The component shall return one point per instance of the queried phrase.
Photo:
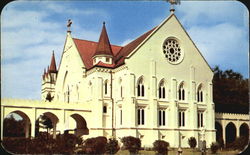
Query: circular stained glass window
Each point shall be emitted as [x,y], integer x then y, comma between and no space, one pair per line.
[172,51]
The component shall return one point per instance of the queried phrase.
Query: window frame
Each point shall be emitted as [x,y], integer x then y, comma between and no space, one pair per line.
[140,116]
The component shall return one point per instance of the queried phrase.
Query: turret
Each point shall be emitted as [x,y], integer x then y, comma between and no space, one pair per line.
[103,51]
[49,80]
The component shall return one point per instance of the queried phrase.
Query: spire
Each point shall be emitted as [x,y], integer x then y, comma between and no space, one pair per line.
[103,46]
[52,67]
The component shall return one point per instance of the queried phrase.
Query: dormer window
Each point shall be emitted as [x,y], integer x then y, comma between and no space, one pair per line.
[107,59]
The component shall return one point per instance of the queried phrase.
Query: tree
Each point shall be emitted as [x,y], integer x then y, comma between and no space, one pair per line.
[13,127]
[160,146]
[46,123]
[112,146]
[192,142]
[230,91]
[132,144]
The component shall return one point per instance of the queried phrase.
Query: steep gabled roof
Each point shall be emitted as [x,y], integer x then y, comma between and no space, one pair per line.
[88,49]
[103,45]
[127,49]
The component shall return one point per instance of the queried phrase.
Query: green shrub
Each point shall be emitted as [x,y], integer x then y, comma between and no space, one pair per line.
[63,144]
[95,145]
[192,142]
[220,142]
[112,146]
[214,147]
[160,146]
[132,144]
[239,143]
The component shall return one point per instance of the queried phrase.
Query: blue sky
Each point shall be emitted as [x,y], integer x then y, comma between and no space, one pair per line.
[30,30]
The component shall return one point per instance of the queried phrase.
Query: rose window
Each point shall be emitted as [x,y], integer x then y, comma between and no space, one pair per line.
[172,51]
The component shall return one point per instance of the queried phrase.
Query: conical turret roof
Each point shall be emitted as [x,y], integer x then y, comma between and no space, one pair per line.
[52,67]
[103,46]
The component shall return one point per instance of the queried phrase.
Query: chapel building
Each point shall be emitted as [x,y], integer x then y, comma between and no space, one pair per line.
[158,86]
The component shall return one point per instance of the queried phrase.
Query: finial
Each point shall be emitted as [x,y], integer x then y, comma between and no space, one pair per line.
[69,25]
[103,22]
[172,3]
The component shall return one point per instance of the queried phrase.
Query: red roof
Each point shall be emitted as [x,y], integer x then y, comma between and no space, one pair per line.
[103,46]
[87,49]
[52,67]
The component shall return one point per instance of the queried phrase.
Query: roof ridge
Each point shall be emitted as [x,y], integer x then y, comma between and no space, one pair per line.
[96,42]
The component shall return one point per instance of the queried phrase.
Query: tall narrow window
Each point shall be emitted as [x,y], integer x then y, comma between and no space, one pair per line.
[140,88]
[121,91]
[106,87]
[140,116]
[200,119]
[104,109]
[121,117]
[181,93]
[161,119]
[181,118]
[161,90]
[200,94]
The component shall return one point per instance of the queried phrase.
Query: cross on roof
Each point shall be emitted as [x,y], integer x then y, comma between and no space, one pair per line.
[69,24]
[172,3]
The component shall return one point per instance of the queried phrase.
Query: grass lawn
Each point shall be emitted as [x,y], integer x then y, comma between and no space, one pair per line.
[174,152]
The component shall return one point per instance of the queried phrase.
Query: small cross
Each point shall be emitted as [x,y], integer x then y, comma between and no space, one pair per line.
[172,3]
[69,24]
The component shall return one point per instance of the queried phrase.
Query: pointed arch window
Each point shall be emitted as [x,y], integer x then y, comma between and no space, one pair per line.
[106,87]
[121,88]
[181,93]
[200,94]
[162,90]
[140,88]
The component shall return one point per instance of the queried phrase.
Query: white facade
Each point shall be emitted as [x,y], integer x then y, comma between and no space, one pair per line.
[151,95]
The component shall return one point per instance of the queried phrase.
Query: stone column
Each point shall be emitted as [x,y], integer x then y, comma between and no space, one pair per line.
[223,132]
[153,97]
[33,123]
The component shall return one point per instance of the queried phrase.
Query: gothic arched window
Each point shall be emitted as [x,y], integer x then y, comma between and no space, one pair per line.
[140,88]
[181,92]
[200,94]
[161,90]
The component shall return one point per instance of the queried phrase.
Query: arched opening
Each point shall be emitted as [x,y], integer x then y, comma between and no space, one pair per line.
[230,133]
[161,90]
[244,130]
[17,124]
[181,92]
[140,87]
[200,93]
[219,135]
[79,126]
[46,123]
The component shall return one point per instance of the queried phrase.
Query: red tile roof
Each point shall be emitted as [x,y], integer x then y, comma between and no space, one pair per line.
[52,67]
[103,46]
[87,49]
